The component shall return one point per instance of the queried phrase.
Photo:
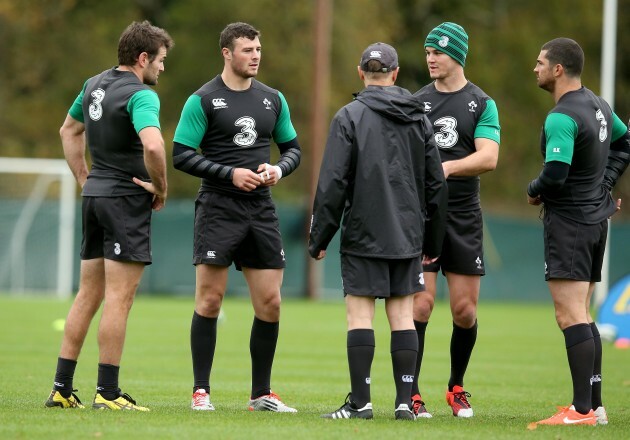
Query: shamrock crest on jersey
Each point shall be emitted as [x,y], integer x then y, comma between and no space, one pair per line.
[603,132]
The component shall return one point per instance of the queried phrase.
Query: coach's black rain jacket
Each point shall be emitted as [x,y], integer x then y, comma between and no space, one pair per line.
[382,173]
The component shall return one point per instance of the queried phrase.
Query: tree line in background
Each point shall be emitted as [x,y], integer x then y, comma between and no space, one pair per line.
[50,47]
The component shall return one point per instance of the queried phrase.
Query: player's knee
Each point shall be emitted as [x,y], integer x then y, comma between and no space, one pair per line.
[566,319]
[464,314]
[423,304]
[208,303]
[271,304]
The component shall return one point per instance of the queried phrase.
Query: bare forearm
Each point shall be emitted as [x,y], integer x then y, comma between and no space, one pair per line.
[483,160]
[154,160]
[74,152]
[155,163]
[468,166]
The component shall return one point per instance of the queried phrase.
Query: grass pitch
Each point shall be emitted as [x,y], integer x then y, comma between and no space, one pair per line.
[518,373]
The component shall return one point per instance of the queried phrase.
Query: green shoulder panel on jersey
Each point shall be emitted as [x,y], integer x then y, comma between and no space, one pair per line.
[76,110]
[144,109]
[560,133]
[488,126]
[192,124]
[618,128]
[284,131]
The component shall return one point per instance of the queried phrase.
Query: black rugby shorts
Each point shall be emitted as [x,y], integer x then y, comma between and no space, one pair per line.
[573,251]
[381,278]
[462,249]
[244,231]
[117,228]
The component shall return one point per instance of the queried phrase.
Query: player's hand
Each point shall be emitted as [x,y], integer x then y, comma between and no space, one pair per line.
[159,197]
[618,206]
[245,179]
[428,260]
[534,200]
[321,255]
[158,203]
[268,174]
[446,167]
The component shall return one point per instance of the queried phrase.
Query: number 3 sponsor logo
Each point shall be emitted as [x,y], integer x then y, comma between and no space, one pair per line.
[248,135]
[447,136]
[96,109]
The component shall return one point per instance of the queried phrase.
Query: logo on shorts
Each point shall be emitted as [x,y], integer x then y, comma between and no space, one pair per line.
[546,268]
[368,380]
[117,248]
[421,278]
[408,378]
[479,263]
[211,254]
[282,253]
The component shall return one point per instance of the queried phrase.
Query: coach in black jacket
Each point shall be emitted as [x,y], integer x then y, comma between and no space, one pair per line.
[381,172]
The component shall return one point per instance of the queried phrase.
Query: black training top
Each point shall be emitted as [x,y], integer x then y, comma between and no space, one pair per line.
[234,128]
[459,118]
[578,131]
[114,106]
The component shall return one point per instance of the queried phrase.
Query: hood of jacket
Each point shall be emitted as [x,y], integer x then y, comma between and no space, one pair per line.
[392,102]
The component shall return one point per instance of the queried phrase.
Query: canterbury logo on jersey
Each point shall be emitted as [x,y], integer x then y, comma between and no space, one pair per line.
[219,103]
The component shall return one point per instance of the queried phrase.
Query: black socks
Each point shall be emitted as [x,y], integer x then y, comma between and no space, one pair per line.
[404,350]
[581,354]
[421,329]
[262,348]
[596,378]
[64,376]
[462,344]
[203,340]
[360,356]
[107,383]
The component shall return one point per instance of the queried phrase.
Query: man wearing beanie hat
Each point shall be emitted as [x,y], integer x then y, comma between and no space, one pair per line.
[466,125]
[380,153]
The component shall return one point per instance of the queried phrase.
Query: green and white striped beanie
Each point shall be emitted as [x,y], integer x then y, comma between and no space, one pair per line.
[451,39]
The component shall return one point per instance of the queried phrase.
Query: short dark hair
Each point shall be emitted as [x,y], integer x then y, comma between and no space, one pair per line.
[142,37]
[236,30]
[374,66]
[567,53]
